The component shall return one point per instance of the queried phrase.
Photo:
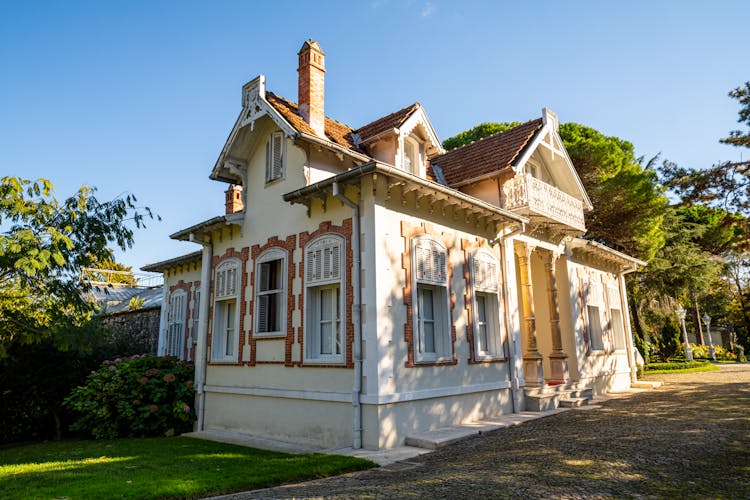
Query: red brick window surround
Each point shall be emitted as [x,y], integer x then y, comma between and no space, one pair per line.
[323,291]
[273,250]
[228,306]
[429,330]
[484,301]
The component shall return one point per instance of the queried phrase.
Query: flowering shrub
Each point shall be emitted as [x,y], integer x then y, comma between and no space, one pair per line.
[704,352]
[135,396]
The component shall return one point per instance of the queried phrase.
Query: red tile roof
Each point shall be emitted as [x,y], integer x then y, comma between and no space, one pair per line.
[485,156]
[394,120]
[336,131]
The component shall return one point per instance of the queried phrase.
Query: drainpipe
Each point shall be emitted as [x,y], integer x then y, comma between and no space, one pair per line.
[356,315]
[515,385]
[201,348]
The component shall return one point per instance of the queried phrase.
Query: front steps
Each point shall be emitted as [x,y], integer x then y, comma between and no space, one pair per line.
[550,397]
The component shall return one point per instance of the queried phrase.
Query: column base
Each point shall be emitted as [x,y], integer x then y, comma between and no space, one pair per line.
[558,363]
[533,370]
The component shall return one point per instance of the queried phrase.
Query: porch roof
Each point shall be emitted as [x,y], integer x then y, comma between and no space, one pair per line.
[207,226]
[601,251]
[408,183]
[158,267]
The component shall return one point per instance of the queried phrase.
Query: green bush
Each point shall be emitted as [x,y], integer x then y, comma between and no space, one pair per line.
[646,348]
[668,341]
[674,366]
[136,396]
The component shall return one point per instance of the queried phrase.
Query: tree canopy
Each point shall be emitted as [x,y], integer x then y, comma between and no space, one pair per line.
[44,243]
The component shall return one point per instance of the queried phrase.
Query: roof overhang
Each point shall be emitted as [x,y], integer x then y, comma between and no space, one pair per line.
[200,231]
[408,183]
[550,130]
[625,262]
[163,265]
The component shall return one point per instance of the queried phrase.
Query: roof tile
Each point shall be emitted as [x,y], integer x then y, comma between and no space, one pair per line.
[485,156]
[336,131]
[394,120]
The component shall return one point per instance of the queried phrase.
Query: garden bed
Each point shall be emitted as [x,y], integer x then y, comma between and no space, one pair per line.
[679,366]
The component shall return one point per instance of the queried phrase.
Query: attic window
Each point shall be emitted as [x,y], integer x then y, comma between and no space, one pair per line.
[275,157]
[412,156]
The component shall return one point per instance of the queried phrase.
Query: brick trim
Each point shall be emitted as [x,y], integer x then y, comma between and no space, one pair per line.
[241,255]
[345,230]
[256,251]
[470,248]
[409,231]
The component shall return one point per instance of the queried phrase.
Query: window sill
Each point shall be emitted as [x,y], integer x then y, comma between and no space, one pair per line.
[223,362]
[270,182]
[488,359]
[324,361]
[269,336]
[437,361]
[598,352]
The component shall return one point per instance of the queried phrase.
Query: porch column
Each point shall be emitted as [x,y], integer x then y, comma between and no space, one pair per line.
[532,359]
[557,358]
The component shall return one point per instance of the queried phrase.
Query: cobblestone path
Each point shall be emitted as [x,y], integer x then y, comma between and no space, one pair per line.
[688,439]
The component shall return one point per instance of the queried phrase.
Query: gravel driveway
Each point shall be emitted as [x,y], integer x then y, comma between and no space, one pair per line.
[688,439]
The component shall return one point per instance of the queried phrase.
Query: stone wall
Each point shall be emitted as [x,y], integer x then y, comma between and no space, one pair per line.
[141,326]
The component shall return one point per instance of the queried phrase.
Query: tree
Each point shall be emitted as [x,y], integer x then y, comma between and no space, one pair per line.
[475,133]
[122,275]
[737,137]
[44,243]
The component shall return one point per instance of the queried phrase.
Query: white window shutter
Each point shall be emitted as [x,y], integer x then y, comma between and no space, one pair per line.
[323,261]
[485,273]
[431,261]
[263,313]
[278,160]
[269,170]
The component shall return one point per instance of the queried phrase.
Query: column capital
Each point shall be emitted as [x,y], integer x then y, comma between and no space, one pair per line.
[523,250]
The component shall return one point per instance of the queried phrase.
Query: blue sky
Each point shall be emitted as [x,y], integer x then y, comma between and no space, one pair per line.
[139,96]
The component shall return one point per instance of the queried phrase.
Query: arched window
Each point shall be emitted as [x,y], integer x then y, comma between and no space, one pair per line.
[487,307]
[324,299]
[175,340]
[270,293]
[226,318]
[430,300]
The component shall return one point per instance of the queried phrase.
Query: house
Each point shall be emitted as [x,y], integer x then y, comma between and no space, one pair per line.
[365,284]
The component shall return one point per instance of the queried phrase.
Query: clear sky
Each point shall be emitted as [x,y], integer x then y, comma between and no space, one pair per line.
[139,97]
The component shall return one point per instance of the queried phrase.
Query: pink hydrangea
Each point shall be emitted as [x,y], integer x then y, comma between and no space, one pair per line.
[154,408]
[151,372]
[112,368]
[186,409]
[169,377]
[144,380]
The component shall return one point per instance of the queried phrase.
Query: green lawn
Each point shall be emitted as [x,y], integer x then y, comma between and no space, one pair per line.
[175,467]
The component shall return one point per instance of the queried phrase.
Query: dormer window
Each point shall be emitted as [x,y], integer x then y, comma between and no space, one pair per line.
[412,157]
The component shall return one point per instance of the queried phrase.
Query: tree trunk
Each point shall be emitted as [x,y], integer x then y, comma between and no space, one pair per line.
[634,312]
[743,305]
[697,322]
[58,424]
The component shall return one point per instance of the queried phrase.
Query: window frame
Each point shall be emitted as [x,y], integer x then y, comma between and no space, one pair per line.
[418,157]
[494,321]
[181,321]
[316,285]
[441,284]
[271,174]
[222,297]
[613,297]
[593,299]
[270,255]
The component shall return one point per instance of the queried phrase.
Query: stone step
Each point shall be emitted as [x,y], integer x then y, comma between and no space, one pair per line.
[571,402]
[542,402]
[643,384]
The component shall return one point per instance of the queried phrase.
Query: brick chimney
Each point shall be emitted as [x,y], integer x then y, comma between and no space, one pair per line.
[312,71]
[234,202]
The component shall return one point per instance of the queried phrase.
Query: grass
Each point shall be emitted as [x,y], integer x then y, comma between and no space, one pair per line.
[176,467]
[679,367]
